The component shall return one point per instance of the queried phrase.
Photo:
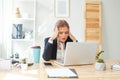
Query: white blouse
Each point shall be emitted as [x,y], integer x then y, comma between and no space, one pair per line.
[60,50]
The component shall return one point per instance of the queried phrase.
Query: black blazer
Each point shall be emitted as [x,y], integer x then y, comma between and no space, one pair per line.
[50,50]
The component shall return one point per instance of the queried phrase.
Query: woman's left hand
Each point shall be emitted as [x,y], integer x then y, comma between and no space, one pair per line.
[72,37]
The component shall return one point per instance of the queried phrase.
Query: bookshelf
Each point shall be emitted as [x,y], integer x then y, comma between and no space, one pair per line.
[24,14]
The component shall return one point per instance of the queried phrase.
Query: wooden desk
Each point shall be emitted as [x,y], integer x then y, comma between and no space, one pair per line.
[17,74]
[85,72]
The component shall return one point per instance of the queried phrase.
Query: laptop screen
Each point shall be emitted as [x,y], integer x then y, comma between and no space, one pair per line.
[77,53]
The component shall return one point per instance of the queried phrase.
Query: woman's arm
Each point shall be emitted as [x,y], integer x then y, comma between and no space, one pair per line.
[49,46]
[47,50]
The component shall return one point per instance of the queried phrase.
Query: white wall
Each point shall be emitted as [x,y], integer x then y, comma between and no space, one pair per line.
[110,23]
[110,28]
[46,19]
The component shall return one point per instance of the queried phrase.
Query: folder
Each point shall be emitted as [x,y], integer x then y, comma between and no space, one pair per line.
[61,73]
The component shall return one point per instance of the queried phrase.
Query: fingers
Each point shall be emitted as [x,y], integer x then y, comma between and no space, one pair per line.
[69,32]
[55,34]
[56,30]
[71,36]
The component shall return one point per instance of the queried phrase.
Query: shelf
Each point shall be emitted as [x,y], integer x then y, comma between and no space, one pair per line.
[22,40]
[25,0]
[24,19]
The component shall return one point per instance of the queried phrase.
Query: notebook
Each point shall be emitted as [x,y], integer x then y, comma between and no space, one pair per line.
[79,53]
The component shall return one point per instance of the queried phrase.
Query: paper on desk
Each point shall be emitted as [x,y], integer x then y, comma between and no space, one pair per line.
[5,64]
[60,72]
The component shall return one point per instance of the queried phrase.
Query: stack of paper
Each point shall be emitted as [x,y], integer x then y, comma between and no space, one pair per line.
[61,72]
[116,67]
[5,64]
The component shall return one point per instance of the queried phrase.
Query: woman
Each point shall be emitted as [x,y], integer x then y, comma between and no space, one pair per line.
[55,45]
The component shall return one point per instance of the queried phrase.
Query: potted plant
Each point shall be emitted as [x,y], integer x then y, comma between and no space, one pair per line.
[24,64]
[100,64]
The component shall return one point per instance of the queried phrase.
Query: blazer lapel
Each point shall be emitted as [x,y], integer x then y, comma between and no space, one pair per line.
[55,47]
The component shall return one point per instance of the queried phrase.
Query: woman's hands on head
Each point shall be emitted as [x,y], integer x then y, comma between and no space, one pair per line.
[61,32]
[55,34]
[71,36]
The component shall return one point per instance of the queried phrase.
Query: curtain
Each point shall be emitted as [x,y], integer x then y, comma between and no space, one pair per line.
[0,27]
[5,28]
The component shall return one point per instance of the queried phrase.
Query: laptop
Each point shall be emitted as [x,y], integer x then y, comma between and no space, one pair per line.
[79,53]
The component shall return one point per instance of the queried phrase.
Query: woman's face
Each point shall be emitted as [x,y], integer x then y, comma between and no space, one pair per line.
[63,33]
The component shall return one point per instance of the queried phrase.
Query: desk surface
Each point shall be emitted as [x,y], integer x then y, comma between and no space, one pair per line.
[32,73]
[85,72]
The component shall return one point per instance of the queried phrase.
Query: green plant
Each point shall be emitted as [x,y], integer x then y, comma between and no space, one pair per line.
[99,58]
[24,60]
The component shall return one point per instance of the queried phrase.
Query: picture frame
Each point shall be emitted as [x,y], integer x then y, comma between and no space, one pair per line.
[62,8]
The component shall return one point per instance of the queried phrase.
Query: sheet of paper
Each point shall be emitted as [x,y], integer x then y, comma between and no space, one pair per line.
[60,72]
[5,64]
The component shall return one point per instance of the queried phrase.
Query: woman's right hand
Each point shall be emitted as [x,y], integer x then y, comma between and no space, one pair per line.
[55,34]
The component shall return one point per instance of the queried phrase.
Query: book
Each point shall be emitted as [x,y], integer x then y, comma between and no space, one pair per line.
[17,31]
[115,67]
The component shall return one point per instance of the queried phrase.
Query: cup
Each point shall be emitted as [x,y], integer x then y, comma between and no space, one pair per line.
[36,53]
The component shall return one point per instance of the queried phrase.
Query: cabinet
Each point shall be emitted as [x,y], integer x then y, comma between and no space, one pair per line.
[23,26]
[93,21]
